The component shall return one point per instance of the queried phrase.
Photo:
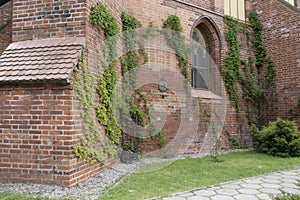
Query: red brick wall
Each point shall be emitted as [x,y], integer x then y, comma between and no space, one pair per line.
[45,19]
[281,33]
[93,37]
[6,28]
[41,123]
[39,126]
[191,14]
[206,4]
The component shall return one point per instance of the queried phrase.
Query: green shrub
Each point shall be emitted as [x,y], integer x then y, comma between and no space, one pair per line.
[279,138]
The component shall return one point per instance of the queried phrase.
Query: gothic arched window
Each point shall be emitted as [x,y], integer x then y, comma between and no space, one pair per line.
[200,61]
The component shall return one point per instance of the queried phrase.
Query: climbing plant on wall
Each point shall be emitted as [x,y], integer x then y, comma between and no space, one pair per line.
[106,23]
[230,70]
[135,103]
[85,85]
[255,75]
[85,92]
[177,41]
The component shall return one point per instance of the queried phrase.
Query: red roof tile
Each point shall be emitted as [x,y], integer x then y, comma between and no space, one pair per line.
[47,59]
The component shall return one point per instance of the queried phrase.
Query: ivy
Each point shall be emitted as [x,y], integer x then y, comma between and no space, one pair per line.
[255,75]
[85,90]
[136,103]
[177,41]
[258,83]
[106,23]
[259,48]
[93,147]
[173,22]
[230,70]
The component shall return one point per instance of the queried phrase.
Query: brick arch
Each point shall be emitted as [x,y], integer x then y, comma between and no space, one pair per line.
[212,34]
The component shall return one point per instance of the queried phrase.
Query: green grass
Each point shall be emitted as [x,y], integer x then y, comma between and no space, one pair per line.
[188,174]
[192,173]
[8,196]
[287,196]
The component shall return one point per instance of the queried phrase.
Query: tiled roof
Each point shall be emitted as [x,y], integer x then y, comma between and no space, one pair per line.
[47,59]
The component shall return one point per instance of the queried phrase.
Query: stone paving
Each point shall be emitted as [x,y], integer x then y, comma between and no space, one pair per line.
[260,187]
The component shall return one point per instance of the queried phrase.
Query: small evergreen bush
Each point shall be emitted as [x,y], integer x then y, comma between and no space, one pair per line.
[279,138]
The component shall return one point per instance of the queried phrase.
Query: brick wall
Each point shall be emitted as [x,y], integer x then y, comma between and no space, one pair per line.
[39,125]
[93,37]
[45,19]
[206,4]
[281,33]
[211,21]
[5,26]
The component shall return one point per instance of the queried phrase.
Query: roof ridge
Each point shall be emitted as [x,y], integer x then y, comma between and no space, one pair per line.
[49,42]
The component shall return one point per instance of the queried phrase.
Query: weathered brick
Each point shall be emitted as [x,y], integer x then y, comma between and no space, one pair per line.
[281,32]
[41,122]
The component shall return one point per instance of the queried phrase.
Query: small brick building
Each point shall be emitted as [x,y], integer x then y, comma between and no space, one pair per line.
[41,44]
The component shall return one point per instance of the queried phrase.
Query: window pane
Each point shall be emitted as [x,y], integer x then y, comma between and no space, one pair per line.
[199,57]
[200,61]
[200,78]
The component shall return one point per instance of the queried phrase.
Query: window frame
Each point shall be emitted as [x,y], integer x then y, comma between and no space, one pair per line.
[195,68]
[292,2]
[235,8]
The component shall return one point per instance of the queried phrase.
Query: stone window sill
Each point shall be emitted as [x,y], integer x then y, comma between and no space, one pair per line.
[204,94]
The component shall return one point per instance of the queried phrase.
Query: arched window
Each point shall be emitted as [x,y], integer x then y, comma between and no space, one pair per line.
[200,61]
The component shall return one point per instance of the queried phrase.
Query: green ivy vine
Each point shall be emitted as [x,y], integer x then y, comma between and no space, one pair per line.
[137,103]
[255,75]
[85,91]
[85,84]
[177,41]
[230,70]
[106,23]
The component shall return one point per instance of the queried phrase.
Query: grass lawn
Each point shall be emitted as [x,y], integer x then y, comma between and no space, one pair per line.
[7,196]
[195,173]
[286,196]
[187,174]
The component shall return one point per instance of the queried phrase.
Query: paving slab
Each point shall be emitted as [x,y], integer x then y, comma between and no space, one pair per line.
[264,197]
[205,193]
[197,198]
[249,186]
